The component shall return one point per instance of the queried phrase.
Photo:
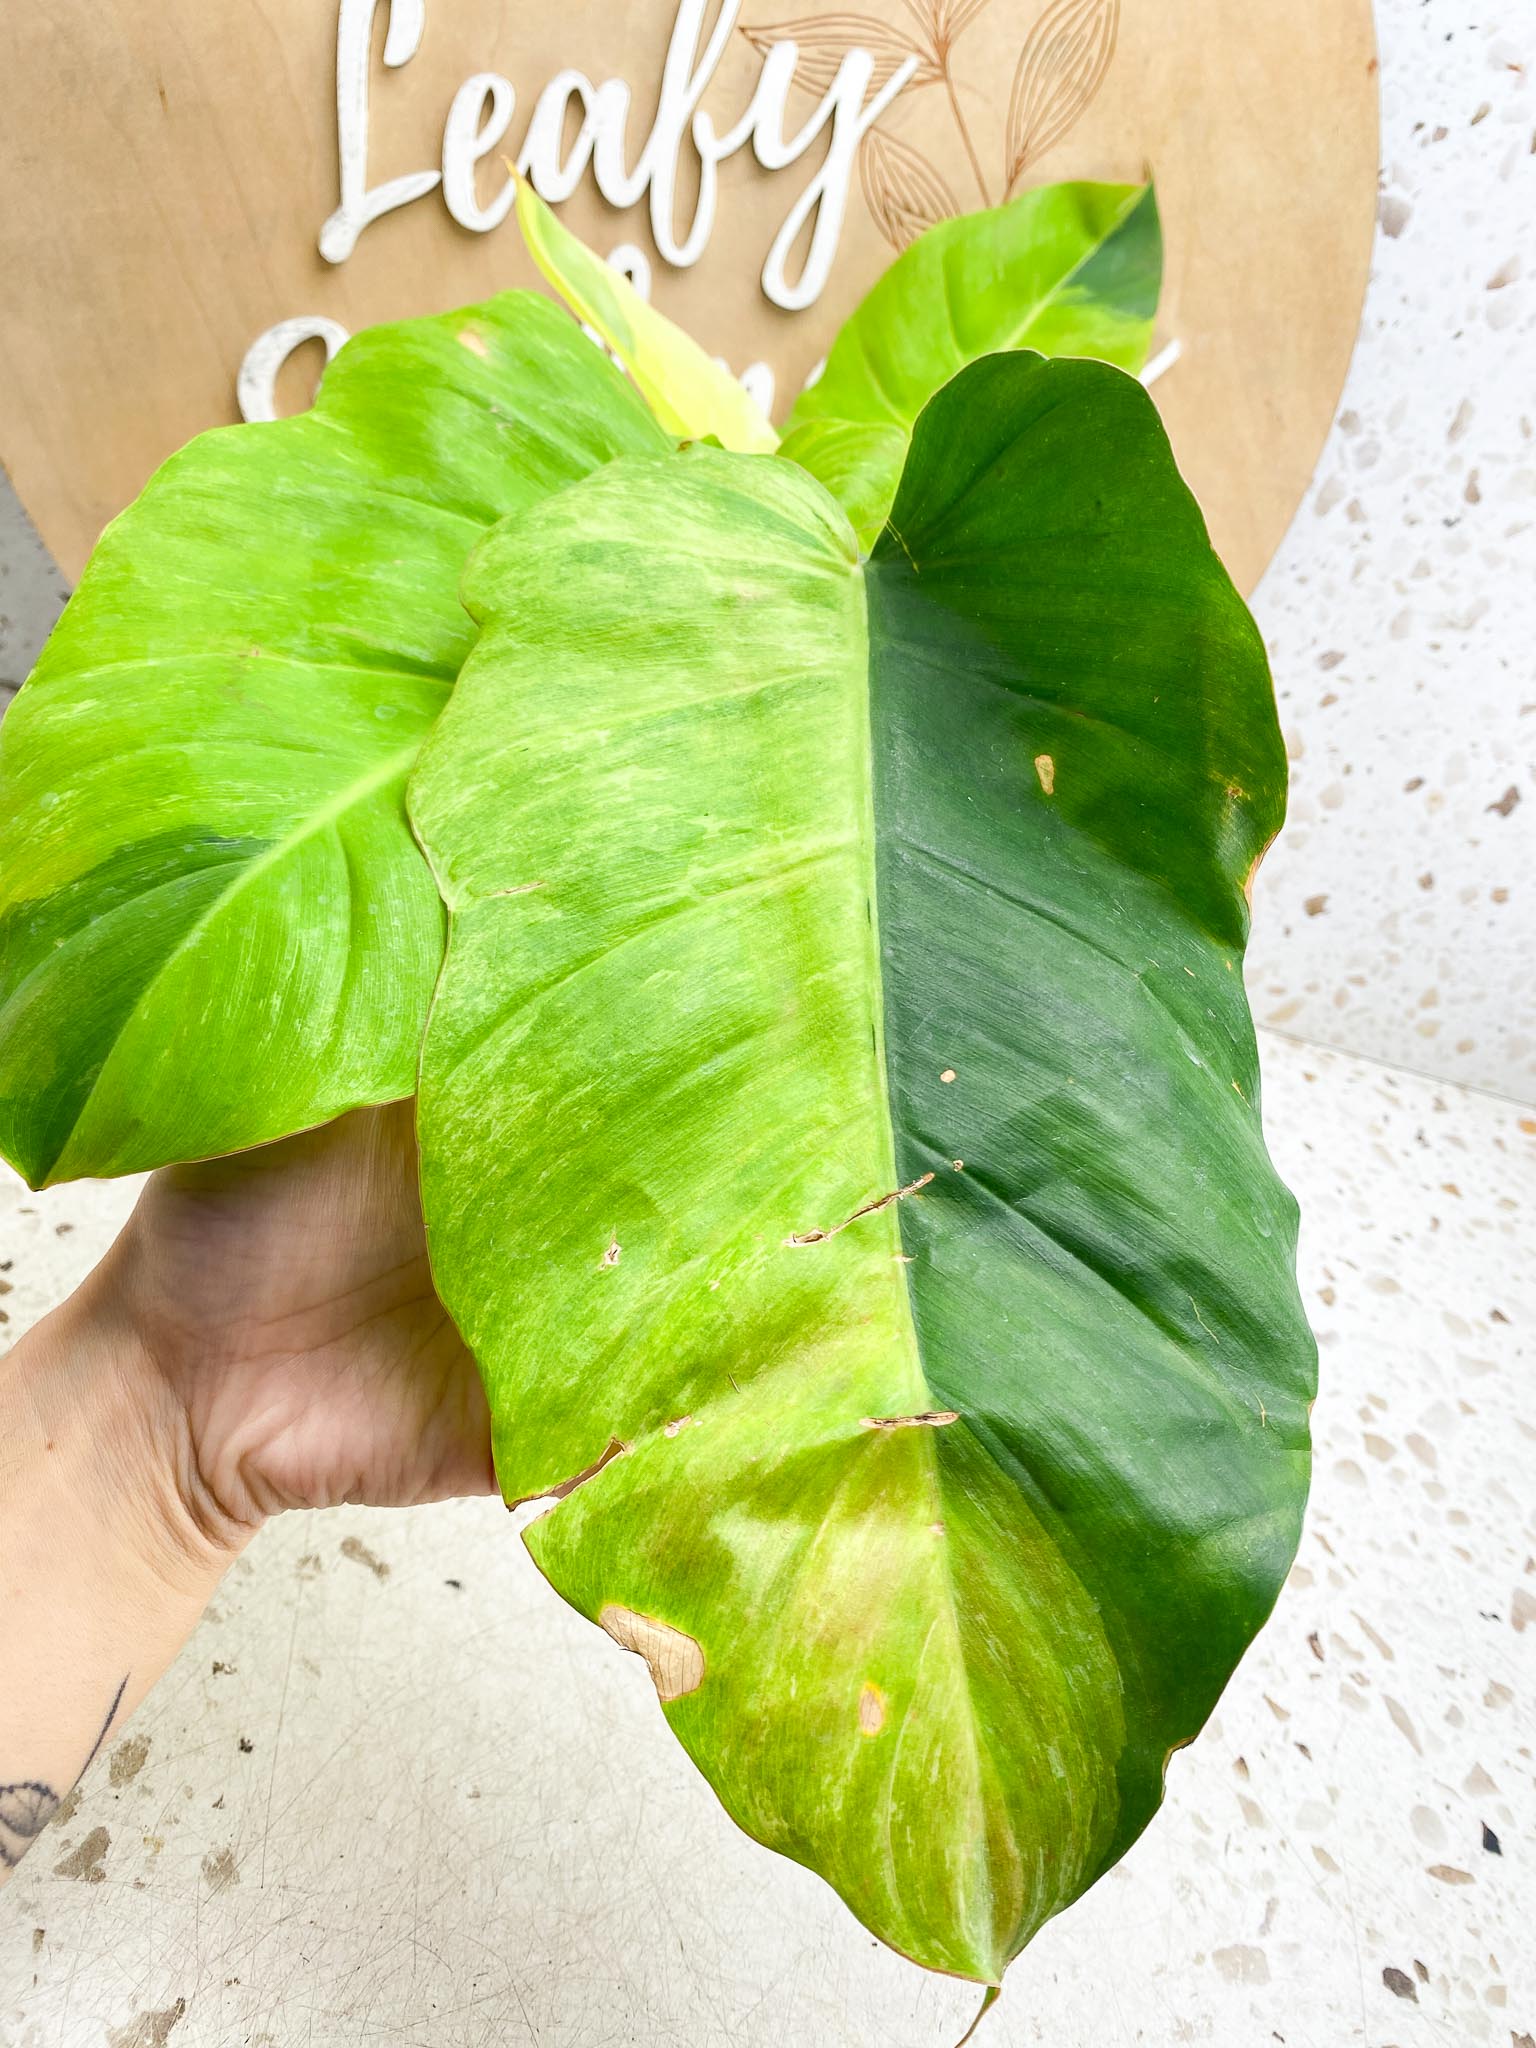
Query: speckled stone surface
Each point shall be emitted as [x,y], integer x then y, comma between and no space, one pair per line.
[394,1791]
[1397,914]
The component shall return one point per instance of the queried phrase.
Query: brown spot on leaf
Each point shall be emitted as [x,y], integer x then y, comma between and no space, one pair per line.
[935,1418]
[614,1253]
[675,1659]
[1045,768]
[948,1075]
[1399,1983]
[871,1709]
[1449,1874]
[1506,802]
[1315,905]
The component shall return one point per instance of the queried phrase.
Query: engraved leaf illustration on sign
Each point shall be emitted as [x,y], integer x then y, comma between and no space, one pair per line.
[903,191]
[824,40]
[1061,66]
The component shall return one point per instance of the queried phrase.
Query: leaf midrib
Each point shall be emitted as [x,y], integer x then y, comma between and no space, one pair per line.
[983,1770]
[1013,338]
[1137,194]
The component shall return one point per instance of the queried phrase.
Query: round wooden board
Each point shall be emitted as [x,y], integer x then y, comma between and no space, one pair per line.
[166,172]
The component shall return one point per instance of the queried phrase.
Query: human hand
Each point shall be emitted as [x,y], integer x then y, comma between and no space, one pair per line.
[264,1334]
[283,1302]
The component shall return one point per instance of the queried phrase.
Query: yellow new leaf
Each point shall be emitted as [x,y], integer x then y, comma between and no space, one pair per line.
[690,393]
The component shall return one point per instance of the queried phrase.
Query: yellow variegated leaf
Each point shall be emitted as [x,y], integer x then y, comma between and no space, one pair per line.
[689,392]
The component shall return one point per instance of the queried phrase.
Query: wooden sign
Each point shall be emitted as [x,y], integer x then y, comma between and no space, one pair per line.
[203,200]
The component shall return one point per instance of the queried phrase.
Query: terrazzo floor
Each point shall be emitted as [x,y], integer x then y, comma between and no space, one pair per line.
[394,1792]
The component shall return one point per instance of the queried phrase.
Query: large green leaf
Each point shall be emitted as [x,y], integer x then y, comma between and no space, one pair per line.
[215,927]
[1069,270]
[840,1098]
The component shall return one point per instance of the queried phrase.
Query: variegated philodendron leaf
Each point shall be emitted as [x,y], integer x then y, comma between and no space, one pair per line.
[841,1107]
[215,927]
[1068,270]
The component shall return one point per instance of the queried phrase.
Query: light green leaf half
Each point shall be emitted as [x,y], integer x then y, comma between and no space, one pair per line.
[841,1098]
[215,927]
[691,394]
[1068,270]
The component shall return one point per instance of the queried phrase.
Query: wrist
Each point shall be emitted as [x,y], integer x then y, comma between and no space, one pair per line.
[105,1564]
[88,1419]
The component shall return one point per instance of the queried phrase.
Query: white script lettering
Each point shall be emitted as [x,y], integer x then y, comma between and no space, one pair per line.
[482,109]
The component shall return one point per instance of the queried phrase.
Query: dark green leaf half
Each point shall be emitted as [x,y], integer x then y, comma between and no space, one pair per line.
[841,1096]
[1068,270]
[215,927]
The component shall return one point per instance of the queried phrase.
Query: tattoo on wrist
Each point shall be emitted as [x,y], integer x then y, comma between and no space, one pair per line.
[27,1806]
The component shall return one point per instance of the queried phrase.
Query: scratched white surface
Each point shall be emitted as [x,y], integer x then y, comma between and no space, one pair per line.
[376,1807]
